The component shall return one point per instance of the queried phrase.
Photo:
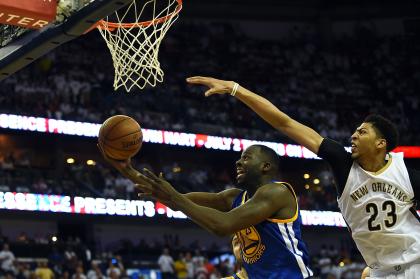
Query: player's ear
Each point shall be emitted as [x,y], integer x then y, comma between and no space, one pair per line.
[381,143]
[266,166]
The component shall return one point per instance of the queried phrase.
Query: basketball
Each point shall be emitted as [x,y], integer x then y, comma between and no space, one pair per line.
[120,137]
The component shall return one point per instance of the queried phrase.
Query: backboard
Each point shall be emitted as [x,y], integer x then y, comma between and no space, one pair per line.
[36,30]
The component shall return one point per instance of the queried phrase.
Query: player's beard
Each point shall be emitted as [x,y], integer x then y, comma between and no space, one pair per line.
[248,181]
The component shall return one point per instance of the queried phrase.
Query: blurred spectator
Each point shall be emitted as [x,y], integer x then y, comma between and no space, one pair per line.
[94,272]
[201,271]
[180,267]
[189,265]
[198,260]
[43,271]
[22,238]
[79,274]
[113,269]
[23,271]
[7,162]
[166,264]
[7,259]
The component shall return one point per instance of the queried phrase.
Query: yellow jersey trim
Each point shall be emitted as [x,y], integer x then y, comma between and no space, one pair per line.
[297,206]
[239,274]
[244,197]
[384,168]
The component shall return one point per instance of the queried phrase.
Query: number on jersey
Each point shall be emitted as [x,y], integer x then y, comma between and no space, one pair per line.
[387,206]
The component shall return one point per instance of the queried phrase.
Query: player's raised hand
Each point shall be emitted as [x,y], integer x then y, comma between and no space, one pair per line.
[118,164]
[123,166]
[216,86]
[156,187]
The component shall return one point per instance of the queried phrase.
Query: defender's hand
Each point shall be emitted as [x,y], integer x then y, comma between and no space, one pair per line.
[216,86]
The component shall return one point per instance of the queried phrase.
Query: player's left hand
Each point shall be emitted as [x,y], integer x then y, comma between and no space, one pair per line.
[215,86]
[157,187]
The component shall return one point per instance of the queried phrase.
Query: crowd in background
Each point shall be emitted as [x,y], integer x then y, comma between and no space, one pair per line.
[329,86]
[18,173]
[100,180]
[47,257]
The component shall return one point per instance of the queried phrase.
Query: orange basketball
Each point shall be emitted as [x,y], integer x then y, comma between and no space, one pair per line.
[120,137]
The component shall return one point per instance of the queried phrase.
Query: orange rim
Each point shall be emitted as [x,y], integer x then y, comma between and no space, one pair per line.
[111,26]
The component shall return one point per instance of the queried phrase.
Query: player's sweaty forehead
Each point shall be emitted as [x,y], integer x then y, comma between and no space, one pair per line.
[251,150]
[366,127]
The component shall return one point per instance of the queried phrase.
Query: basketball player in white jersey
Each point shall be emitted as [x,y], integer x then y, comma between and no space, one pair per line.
[376,191]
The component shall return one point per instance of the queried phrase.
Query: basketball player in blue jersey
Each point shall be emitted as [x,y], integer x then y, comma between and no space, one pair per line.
[263,214]
[376,191]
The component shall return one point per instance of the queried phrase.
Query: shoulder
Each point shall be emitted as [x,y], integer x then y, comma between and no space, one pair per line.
[328,145]
[276,196]
[333,151]
[274,190]
[396,157]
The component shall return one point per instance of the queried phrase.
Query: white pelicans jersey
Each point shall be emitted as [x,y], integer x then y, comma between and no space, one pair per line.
[378,208]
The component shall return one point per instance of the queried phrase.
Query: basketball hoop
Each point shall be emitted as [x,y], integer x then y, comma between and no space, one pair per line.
[134,46]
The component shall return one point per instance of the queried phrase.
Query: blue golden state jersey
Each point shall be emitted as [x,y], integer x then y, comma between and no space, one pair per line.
[274,249]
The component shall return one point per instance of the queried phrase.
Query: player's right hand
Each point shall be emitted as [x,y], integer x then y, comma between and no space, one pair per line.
[118,164]
[216,86]
[123,166]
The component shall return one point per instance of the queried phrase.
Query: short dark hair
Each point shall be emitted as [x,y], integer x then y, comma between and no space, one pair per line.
[385,128]
[270,155]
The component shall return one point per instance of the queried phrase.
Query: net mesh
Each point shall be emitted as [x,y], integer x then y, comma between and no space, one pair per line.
[135,47]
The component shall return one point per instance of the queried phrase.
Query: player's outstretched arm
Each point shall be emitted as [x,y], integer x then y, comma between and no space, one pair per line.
[221,201]
[265,109]
[266,201]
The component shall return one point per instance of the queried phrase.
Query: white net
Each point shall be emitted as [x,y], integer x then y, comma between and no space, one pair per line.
[135,47]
